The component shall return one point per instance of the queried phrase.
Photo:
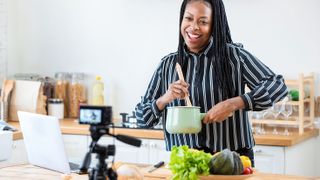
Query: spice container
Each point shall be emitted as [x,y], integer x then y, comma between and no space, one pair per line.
[55,108]
[61,89]
[77,94]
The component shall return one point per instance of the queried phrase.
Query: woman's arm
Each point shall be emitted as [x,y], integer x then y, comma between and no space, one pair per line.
[266,87]
[147,111]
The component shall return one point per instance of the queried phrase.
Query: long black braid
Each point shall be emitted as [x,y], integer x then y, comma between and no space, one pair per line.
[221,36]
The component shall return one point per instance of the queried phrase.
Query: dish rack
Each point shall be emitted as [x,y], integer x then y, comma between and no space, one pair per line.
[300,118]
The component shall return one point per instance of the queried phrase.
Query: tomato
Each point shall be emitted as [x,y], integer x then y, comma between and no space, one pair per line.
[247,170]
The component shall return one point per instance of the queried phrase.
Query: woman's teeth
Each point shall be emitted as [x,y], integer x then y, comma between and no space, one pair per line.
[193,36]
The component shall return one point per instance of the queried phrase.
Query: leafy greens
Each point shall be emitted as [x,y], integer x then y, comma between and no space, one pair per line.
[188,163]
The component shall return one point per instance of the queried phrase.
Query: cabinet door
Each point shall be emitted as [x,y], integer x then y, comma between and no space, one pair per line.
[158,152]
[269,159]
[18,154]
[301,158]
[128,153]
[76,147]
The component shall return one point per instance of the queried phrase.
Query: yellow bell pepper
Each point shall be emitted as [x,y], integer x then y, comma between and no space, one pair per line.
[245,161]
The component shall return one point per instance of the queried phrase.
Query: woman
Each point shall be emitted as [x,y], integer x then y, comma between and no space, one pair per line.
[216,72]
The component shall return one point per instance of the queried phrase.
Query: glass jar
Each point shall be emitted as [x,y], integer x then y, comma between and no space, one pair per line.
[55,108]
[61,89]
[77,94]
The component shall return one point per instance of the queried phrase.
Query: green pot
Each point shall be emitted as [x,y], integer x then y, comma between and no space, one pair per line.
[184,119]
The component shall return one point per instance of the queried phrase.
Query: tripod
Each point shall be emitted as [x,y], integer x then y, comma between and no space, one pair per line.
[101,171]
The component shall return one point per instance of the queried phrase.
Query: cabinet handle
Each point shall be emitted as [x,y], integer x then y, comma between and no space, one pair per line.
[152,145]
[258,151]
[144,145]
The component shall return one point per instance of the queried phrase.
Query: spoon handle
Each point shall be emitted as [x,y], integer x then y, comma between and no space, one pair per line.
[180,74]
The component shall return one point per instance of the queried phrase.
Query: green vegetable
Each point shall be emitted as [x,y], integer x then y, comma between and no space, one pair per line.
[226,163]
[238,166]
[187,163]
[294,95]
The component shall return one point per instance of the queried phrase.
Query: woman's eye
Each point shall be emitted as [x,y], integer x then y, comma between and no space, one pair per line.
[188,18]
[204,22]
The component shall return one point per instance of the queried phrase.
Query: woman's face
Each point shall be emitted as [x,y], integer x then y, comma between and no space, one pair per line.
[196,25]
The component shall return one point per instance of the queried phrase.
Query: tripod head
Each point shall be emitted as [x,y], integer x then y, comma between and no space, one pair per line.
[98,128]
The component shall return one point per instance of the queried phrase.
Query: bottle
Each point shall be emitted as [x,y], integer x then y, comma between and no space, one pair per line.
[98,88]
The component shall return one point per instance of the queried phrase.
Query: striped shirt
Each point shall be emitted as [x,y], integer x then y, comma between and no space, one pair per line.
[233,133]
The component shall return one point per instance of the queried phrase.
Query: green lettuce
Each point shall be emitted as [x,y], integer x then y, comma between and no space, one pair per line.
[187,163]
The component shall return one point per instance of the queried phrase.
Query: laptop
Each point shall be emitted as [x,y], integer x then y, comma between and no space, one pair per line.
[44,144]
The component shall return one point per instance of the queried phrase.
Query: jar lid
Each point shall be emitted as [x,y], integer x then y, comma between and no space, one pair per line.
[55,100]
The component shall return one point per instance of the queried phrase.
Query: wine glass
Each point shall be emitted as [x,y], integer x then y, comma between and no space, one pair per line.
[286,111]
[276,110]
[256,116]
[250,116]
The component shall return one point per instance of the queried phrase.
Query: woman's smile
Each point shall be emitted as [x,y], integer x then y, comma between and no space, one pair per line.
[193,38]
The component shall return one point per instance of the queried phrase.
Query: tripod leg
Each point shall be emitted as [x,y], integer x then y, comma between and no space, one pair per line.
[112,175]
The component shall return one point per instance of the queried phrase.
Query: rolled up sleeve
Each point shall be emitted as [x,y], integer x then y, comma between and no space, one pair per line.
[266,87]
[147,112]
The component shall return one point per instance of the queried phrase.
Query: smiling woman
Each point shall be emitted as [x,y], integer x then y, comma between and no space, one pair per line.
[216,71]
[195,27]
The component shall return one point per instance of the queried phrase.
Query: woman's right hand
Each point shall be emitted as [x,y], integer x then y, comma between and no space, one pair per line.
[176,90]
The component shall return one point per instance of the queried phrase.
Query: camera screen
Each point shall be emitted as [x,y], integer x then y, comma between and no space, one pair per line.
[90,116]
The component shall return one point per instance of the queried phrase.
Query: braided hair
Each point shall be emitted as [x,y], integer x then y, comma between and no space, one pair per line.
[221,36]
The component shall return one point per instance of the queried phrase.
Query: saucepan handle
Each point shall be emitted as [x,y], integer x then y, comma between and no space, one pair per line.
[202,115]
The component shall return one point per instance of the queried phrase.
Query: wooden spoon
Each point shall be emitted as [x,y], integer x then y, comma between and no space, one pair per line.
[2,90]
[180,74]
[7,89]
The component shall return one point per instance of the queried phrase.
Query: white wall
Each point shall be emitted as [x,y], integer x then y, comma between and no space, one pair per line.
[124,40]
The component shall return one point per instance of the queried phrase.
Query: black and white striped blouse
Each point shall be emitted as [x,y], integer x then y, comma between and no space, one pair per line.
[233,133]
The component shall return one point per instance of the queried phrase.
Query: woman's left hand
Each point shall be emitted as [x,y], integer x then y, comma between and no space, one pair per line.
[223,110]
[219,112]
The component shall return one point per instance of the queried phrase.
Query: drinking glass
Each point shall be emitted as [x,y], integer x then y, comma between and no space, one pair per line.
[286,111]
[256,116]
[276,110]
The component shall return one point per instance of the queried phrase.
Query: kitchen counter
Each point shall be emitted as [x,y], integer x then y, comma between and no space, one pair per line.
[71,126]
[28,171]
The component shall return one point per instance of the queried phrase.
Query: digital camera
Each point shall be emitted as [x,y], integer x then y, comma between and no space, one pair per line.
[95,115]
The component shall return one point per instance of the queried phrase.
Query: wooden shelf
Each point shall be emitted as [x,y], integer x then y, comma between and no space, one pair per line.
[300,119]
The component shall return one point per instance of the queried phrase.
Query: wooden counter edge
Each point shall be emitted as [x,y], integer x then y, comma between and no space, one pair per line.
[276,140]
[71,127]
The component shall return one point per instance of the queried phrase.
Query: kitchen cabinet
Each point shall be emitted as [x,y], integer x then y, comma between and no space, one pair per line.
[18,154]
[76,147]
[292,160]
[269,159]
[158,151]
[317,156]
[300,159]
[150,152]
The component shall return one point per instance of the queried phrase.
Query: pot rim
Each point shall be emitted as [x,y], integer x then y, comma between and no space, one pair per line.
[183,107]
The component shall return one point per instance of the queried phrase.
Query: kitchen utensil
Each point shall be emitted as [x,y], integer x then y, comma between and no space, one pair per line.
[9,84]
[180,74]
[156,166]
[2,90]
[184,119]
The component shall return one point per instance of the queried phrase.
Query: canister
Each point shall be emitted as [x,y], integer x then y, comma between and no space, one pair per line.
[55,108]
